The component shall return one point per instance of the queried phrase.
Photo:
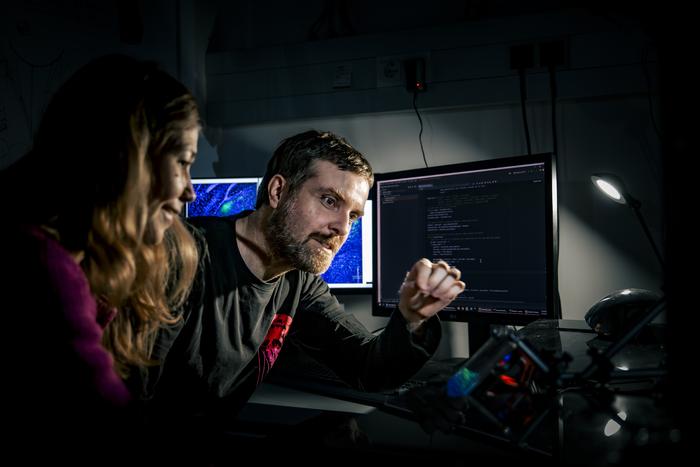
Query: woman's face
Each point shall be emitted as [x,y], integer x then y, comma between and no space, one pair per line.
[172,186]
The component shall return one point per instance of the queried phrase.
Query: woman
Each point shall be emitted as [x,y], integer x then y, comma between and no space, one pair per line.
[94,237]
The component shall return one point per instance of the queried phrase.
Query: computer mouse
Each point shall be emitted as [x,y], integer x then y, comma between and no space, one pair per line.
[611,315]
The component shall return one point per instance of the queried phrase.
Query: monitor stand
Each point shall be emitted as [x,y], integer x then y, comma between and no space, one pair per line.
[478,333]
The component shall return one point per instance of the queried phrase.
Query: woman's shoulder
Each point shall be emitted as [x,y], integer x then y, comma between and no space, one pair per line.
[30,249]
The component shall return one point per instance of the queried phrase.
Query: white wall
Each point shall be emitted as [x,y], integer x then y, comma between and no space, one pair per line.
[602,247]
[470,112]
[43,42]
[249,89]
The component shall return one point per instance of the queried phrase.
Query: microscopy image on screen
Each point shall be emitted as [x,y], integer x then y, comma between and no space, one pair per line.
[222,199]
[347,264]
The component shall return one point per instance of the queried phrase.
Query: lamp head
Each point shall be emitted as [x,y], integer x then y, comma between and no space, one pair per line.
[614,189]
[612,186]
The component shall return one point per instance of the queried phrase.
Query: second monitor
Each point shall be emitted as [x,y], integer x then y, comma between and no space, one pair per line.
[351,270]
[495,220]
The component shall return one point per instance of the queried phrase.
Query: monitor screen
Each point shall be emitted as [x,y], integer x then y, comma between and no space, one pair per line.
[352,266]
[351,270]
[495,220]
[222,196]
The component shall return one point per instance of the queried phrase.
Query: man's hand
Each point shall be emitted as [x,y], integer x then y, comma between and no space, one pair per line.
[428,288]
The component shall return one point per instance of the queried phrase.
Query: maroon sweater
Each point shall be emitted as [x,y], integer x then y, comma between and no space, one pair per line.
[58,377]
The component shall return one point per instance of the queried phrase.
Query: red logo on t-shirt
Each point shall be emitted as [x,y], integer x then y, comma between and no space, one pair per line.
[271,346]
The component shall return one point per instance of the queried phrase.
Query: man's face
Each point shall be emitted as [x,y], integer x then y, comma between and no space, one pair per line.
[308,227]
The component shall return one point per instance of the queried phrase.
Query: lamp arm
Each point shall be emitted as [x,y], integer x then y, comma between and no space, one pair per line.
[634,204]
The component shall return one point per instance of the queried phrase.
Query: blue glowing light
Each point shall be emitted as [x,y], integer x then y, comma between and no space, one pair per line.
[347,264]
[462,383]
[222,199]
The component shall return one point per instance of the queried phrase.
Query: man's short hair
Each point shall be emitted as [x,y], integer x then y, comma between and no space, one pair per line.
[294,157]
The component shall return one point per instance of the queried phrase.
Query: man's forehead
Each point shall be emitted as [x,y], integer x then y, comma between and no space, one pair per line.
[324,172]
[327,176]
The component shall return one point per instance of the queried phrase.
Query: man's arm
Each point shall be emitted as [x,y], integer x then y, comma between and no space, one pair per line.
[366,361]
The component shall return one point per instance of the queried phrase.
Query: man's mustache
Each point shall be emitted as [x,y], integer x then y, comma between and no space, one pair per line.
[333,242]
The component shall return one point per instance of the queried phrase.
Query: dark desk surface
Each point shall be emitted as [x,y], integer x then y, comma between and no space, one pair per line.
[581,426]
[577,339]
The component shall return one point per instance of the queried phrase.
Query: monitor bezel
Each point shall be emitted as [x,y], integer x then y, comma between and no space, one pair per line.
[549,161]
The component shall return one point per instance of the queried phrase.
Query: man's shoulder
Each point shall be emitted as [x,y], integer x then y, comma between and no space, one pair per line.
[312,285]
[215,223]
[212,229]
[204,223]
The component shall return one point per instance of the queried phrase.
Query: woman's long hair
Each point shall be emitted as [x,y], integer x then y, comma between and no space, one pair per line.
[88,178]
[165,271]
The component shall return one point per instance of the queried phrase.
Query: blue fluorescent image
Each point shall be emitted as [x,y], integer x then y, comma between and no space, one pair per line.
[228,197]
[222,199]
[347,264]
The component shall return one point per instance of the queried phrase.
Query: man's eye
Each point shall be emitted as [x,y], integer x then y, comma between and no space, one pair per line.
[328,201]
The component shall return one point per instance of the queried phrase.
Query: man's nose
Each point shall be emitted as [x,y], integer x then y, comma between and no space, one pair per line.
[341,225]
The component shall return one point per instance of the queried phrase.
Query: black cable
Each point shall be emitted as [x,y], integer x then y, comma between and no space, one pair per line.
[420,133]
[29,113]
[645,57]
[32,64]
[553,94]
[523,98]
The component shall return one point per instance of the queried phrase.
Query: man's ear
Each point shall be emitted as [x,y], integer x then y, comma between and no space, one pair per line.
[275,188]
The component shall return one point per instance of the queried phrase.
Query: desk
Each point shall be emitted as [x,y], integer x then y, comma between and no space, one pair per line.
[274,394]
[393,438]
[573,433]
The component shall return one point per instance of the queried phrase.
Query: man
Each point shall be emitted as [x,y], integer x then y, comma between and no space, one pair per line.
[260,285]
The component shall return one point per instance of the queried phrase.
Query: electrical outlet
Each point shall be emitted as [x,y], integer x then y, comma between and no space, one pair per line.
[415,74]
[391,70]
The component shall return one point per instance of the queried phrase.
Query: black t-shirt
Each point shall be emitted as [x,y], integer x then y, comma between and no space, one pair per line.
[234,325]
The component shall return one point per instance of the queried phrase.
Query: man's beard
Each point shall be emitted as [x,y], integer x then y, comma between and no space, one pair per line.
[304,254]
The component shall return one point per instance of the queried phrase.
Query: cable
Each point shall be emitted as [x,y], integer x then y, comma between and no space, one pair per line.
[523,98]
[29,113]
[645,58]
[32,64]
[420,133]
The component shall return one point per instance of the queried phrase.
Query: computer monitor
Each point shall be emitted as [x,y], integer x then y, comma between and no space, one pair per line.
[222,196]
[495,220]
[351,270]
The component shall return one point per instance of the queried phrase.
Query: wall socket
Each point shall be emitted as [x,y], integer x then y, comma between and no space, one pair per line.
[415,74]
[391,70]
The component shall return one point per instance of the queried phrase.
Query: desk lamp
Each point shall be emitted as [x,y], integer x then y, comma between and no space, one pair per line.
[613,187]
